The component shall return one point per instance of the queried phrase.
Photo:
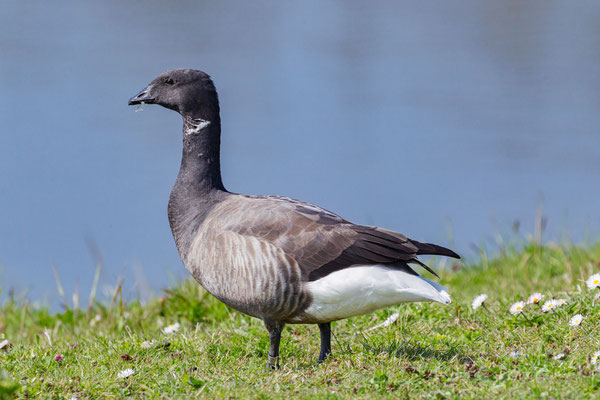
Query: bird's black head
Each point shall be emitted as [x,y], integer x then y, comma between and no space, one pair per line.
[188,91]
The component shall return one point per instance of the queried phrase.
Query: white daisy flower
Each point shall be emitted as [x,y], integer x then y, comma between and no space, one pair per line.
[126,373]
[535,298]
[171,328]
[595,356]
[560,302]
[95,320]
[576,320]
[517,308]
[559,356]
[147,344]
[593,281]
[549,305]
[478,301]
[4,344]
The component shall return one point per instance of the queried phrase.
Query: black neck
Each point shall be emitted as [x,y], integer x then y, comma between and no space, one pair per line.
[198,186]
[200,163]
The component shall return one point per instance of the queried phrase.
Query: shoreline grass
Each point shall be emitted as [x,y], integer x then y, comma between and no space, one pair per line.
[430,351]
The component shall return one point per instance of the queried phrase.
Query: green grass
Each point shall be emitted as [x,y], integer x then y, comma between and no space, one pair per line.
[431,351]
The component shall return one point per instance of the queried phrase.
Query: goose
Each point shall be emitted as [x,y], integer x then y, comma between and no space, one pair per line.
[276,258]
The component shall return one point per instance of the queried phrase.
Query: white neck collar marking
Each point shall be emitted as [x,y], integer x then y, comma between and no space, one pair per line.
[196,126]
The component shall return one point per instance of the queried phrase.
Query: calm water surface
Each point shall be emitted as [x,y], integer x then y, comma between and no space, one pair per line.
[446,122]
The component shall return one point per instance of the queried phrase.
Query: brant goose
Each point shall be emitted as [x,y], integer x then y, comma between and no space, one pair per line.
[271,257]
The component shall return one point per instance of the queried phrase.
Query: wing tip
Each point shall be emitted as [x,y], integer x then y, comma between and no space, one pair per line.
[434,249]
[427,267]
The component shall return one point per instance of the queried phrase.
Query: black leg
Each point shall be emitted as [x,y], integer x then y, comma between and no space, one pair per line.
[325,341]
[274,329]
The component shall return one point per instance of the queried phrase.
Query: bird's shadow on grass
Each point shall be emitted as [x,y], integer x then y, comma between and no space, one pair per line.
[417,351]
[407,351]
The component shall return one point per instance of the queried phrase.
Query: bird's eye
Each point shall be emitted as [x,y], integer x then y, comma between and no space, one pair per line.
[169,81]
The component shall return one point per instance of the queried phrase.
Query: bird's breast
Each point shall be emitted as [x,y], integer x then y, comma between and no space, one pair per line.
[248,274]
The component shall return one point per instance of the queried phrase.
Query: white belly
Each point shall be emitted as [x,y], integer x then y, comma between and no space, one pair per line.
[363,289]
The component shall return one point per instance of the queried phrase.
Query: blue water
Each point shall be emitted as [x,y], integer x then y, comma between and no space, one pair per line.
[447,122]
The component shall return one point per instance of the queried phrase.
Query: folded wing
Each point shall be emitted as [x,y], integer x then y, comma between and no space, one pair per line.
[320,241]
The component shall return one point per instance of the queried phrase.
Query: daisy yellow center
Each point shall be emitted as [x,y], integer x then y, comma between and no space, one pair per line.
[596,282]
[518,307]
[550,305]
[535,299]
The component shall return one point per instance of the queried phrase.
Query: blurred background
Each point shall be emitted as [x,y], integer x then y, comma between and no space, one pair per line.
[450,122]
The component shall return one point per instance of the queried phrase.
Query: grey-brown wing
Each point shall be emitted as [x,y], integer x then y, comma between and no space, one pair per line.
[320,241]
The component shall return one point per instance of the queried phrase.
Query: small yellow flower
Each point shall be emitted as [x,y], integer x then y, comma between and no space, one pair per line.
[593,281]
[172,328]
[576,320]
[517,308]
[535,298]
[549,305]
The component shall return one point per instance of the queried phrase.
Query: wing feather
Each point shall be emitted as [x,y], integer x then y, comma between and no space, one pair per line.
[320,241]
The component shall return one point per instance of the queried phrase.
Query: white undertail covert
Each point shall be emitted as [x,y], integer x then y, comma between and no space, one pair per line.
[363,289]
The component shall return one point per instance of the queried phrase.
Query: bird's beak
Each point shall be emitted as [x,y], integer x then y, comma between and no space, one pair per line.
[142,97]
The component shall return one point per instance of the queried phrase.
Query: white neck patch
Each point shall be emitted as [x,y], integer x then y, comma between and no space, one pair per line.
[197,126]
